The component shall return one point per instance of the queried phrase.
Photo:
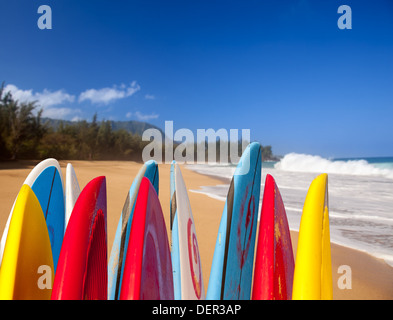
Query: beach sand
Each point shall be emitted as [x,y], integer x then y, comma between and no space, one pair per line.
[371,278]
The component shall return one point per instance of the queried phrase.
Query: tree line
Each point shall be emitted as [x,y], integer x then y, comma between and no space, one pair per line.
[24,135]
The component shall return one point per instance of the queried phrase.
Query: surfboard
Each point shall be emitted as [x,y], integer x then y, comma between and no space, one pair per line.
[274,262]
[46,181]
[233,259]
[186,261]
[26,271]
[72,191]
[148,268]
[313,266]
[120,244]
[82,269]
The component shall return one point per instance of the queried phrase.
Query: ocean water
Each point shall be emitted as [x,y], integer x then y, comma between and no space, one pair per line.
[360,196]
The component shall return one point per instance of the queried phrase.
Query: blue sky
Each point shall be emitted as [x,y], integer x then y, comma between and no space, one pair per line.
[282,69]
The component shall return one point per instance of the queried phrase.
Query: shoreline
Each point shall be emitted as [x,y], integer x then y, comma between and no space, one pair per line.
[372,269]
[372,278]
[342,244]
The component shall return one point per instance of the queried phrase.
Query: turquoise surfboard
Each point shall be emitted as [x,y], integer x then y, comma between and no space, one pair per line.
[232,266]
[120,243]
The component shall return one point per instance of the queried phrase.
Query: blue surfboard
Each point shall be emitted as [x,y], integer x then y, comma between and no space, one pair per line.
[47,183]
[232,266]
[174,237]
[120,243]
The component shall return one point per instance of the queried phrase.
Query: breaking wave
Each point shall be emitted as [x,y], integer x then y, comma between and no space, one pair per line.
[310,163]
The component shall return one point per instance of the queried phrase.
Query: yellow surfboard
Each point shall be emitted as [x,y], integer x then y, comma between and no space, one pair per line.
[313,266]
[27,268]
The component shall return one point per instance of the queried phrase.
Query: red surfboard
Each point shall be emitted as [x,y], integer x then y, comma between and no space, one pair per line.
[147,271]
[82,267]
[274,263]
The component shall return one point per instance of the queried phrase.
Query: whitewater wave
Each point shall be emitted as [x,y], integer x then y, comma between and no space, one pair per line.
[309,163]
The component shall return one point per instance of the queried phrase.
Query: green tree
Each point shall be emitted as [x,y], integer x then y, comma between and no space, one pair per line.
[105,140]
[91,138]
[20,121]
[267,153]
[20,130]
[58,145]
[4,97]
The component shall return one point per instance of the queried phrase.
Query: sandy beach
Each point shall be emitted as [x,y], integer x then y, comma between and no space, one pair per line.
[371,278]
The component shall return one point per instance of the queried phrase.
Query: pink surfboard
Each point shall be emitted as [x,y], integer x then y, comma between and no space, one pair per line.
[82,268]
[147,271]
[274,263]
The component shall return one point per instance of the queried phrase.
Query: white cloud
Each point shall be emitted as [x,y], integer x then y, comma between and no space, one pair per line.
[76,119]
[107,95]
[146,117]
[44,99]
[142,117]
[150,97]
[48,100]
[61,113]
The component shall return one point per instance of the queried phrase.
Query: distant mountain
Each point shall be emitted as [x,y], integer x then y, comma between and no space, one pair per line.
[135,127]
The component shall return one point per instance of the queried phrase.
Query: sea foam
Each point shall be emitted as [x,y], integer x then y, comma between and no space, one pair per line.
[311,163]
[360,197]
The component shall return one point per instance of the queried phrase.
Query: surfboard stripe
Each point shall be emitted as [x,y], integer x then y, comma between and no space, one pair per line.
[50,193]
[175,256]
[173,208]
[126,208]
[172,202]
[154,181]
[228,232]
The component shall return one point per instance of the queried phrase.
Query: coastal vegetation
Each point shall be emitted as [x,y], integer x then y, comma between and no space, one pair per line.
[25,134]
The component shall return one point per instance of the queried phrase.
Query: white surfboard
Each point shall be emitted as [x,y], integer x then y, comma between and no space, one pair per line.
[30,180]
[72,191]
[186,261]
